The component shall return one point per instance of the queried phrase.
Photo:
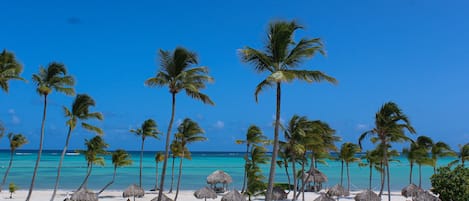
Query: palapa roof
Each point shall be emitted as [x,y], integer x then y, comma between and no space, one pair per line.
[205,193]
[84,195]
[219,176]
[133,191]
[367,195]
[337,190]
[233,196]
[411,190]
[279,194]
[425,196]
[164,198]
[314,175]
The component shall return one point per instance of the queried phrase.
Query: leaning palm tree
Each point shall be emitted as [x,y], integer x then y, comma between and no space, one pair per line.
[347,154]
[176,73]
[158,158]
[390,123]
[95,147]
[16,141]
[188,132]
[10,69]
[253,136]
[438,150]
[54,77]
[120,158]
[80,111]
[148,129]
[281,57]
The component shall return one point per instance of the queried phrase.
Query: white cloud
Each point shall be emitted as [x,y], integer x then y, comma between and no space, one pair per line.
[11,111]
[219,124]
[361,127]
[14,118]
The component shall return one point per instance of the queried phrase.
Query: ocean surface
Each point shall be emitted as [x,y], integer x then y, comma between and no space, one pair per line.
[194,174]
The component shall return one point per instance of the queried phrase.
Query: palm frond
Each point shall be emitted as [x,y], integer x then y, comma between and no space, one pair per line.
[92,128]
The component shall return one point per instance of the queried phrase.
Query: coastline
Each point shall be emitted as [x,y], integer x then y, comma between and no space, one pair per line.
[185,195]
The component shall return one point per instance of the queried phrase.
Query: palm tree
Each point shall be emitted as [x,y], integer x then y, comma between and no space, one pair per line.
[438,150]
[253,136]
[424,145]
[176,151]
[373,159]
[255,184]
[158,158]
[148,129]
[10,69]
[188,132]
[120,158]
[54,77]
[347,154]
[412,154]
[280,58]
[16,141]
[95,147]
[390,123]
[463,153]
[80,111]
[175,73]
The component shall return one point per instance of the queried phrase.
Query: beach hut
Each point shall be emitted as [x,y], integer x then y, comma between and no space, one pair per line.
[338,191]
[133,191]
[411,190]
[164,198]
[233,196]
[205,193]
[314,176]
[367,195]
[84,195]
[324,197]
[217,177]
[425,196]
[279,194]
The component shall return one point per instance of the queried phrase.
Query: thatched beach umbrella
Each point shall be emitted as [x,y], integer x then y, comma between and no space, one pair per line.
[233,196]
[84,195]
[425,196]
[367,195]
[337,190]
[314,175]
[164,198]
[279,194]
[324,197]
[133,191]
[205,193]
[411,190]
[219,176]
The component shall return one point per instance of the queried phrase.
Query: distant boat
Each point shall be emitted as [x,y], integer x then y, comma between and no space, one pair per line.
[23,153]
[72,154]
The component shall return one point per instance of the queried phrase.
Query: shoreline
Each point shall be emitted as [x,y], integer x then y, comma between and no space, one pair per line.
[184,195]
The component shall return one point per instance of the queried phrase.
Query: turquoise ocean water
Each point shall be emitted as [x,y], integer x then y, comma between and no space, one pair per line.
[194,174]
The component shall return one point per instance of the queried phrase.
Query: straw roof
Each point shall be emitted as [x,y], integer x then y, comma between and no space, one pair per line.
[314,175]
[205,193]
[219,176]
[233,196]
[324,197]
[410,190]
[164,198]
[367,195]
[337,190]
[425,196]
[279,194]
[133,191]
[84,195]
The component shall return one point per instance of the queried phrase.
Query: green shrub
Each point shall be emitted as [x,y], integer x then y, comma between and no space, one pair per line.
[12,188]
[451,185]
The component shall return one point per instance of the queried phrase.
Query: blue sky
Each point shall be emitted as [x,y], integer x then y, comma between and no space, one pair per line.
[412,52]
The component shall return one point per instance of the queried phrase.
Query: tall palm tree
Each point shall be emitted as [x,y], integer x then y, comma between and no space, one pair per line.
[16,141]
[148,129]
[188,132]
[95,147]
[54,77]
[347,154]
[120,158]
[10,69]
[253,136]
[177,74]
[80,111]
[438,150]
[281,57]
[390,123]
[158,158]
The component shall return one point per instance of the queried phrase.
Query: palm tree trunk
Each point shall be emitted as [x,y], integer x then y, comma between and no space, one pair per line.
[288,175]
[348,177]
[245,167]
[388,179]
[166,150]
[59,168]
[111,182]
[172,175]
[382,179]
[12,153]
[410,175]
[179,176]
[295,179]
[305,160]
[39,152]
[270,185]
[141,158]
[156,173]
[371,176]
[420,175]
[85,181]
[342,173]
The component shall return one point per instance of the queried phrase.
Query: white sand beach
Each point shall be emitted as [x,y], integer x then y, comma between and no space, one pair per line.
[186,195]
